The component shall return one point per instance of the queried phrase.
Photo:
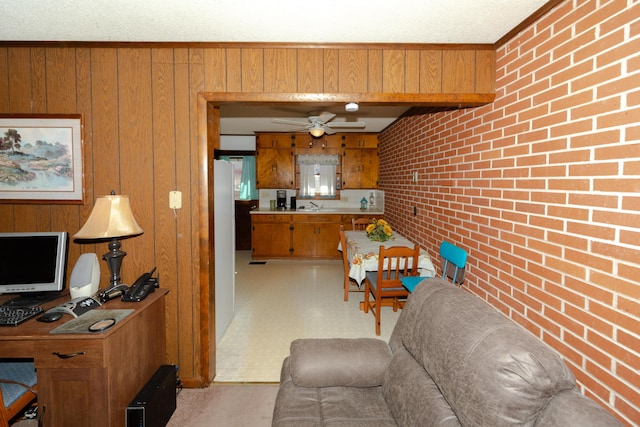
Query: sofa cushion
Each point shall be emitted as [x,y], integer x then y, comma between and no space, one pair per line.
[348,362]
[413,398]
[330,406]
[489,369]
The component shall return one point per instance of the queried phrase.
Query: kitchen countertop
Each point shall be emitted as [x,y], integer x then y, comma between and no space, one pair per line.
[323,211]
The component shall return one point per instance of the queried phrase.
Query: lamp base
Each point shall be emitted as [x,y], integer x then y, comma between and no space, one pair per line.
[114,261]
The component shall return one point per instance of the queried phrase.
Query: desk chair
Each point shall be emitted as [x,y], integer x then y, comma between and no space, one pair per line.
[394,263]
[452,261]
[360,223]
[345,263]
[18,385]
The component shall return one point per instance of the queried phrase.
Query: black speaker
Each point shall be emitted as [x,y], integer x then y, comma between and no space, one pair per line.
[156,402]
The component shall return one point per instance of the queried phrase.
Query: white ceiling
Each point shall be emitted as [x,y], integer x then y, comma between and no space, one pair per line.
[286,21]
[327,21]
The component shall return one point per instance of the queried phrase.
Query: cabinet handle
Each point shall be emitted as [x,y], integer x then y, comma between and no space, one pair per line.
[68,356]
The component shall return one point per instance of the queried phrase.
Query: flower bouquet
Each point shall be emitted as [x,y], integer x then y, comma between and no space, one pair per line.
[379,230]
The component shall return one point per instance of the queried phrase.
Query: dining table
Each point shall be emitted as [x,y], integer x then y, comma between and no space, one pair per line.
[363,254]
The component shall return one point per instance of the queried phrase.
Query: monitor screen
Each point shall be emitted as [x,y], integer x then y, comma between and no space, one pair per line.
[33,262]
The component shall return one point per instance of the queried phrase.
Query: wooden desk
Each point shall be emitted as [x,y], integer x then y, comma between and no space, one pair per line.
[94,387]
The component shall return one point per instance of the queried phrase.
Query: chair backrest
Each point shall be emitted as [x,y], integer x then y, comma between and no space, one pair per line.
[396,262]
[17,388]
[453,261]
[360,223]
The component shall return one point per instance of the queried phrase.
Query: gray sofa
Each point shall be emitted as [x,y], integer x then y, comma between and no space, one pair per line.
[452,360]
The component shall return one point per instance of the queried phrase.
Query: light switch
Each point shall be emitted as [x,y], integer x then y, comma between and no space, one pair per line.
[175,199]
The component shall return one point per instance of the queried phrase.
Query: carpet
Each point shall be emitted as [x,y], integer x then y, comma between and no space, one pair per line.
[225,405]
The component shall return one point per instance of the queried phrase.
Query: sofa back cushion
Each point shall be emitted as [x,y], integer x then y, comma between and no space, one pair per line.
[412,396]
[490,370]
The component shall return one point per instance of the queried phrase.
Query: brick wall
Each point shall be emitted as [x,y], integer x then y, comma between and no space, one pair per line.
[543,189]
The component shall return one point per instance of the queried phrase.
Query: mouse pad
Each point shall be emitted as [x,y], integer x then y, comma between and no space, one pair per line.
[80,324]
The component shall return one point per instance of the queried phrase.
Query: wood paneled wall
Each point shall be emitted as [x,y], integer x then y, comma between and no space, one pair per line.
[140,105]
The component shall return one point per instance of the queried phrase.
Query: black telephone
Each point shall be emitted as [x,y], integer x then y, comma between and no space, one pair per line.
[141,288]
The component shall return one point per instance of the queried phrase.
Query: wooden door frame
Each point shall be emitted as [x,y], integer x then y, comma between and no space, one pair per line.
[208,139]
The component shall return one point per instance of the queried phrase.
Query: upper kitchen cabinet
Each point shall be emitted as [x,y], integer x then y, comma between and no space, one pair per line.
[275,160]
[360,161]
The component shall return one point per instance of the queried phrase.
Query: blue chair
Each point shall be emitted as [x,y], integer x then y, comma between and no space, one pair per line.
[18,384]
[452,261]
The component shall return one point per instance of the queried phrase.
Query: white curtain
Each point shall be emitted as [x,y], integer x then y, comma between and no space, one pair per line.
[317,175]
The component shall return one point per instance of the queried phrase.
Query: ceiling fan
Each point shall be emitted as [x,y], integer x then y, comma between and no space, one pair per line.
[320,123]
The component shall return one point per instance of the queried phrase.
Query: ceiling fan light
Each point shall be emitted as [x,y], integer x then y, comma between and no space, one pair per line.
[316,131]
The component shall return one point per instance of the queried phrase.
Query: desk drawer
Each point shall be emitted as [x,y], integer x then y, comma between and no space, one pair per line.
[70,354]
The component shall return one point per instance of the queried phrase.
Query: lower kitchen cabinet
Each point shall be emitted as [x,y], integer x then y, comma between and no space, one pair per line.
[316,236]
[278,236]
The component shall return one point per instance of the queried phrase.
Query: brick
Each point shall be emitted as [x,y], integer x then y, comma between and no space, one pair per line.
[599,137]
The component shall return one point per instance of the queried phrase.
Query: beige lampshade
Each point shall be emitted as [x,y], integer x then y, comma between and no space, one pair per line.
[111,217]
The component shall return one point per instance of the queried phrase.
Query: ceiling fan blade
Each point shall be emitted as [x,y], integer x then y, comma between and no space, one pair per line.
[346,125]
[291,122]
[324,117]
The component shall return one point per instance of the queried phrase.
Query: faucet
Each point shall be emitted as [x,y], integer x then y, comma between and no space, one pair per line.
[317,208]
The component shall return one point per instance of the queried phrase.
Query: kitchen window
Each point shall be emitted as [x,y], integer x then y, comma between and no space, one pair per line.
[317,175]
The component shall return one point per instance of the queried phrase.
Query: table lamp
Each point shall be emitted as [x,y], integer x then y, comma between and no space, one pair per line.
[111,219]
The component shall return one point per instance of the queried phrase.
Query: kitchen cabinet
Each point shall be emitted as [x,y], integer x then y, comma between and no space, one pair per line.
[280,236]
[276,166]
[316,236]
[275,161]
[271,236]
[360,161]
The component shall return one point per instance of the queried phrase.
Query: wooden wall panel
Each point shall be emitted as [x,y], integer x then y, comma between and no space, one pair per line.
[458,71]
[374,76]
[83,92]
[136,154]
[431,71]
[215,64]
[331,70]
[234,70]
[191,351]
[20,80]
[393,71]
[310,70]
[4,81]
[252,70]
[38,79]
[412,71]
[141,136]
[485,71]
[352,77]
[280,70]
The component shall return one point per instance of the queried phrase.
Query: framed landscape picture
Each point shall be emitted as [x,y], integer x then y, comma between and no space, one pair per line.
[41,159]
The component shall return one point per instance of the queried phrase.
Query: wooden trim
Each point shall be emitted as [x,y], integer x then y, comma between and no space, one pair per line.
[324,99]
[247,45]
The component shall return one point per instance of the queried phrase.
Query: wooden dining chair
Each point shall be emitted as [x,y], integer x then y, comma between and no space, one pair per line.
[345,262]
[18,388]
[360,223]
[394,263]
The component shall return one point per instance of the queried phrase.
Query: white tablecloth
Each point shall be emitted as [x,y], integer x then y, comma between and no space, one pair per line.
[363,254]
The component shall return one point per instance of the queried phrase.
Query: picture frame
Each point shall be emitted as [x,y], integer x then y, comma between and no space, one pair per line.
[41,158]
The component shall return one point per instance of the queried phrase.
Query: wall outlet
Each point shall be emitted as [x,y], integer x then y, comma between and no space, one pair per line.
[175,199]
[415,176]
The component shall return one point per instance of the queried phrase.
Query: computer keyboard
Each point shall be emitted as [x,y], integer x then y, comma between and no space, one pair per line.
[13,316]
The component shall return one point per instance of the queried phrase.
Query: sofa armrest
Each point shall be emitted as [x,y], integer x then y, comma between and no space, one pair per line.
[335,362]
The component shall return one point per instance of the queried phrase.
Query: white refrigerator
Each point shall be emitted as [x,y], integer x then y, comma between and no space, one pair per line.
[224,225]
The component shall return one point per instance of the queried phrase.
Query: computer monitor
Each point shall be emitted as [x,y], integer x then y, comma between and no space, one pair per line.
[33,265]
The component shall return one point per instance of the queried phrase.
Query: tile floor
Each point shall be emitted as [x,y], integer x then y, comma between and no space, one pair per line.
[280,301]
